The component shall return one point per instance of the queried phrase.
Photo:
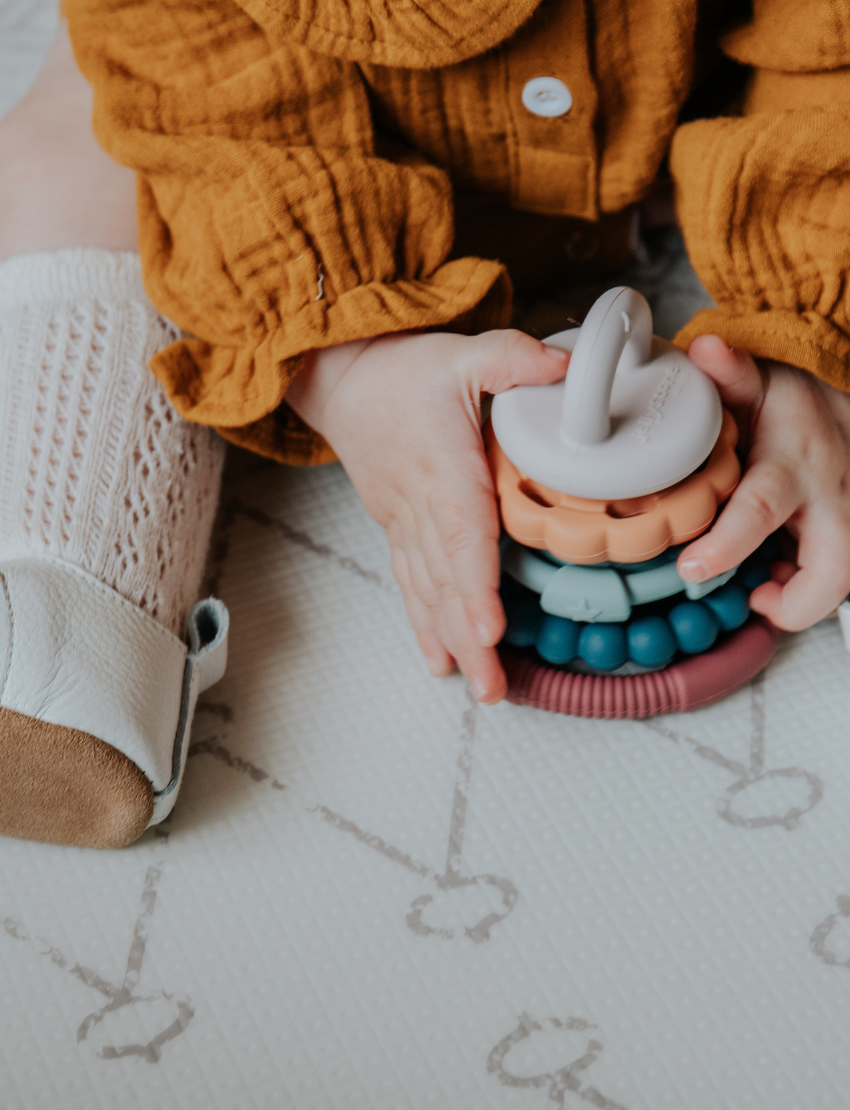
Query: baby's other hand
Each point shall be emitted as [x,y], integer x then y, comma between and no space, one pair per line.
[403,415]
[797,474]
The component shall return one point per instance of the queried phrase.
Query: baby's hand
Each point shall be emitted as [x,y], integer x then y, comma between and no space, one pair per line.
[403,415]
[798,474]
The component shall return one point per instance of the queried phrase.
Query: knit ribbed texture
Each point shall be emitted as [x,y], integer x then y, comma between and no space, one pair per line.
[96,467]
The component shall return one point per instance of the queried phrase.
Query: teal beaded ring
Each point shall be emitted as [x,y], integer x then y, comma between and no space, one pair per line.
[651,635]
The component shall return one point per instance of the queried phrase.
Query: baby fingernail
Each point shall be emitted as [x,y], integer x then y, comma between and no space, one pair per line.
[556,352]
[693,570]
[479,688]
[484,637]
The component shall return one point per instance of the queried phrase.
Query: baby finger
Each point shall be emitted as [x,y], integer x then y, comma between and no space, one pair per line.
[438,660]
[766,497]
[462,547]
[449,617]
[817,588]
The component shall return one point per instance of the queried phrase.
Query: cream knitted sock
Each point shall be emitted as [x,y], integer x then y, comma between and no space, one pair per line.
[96,467]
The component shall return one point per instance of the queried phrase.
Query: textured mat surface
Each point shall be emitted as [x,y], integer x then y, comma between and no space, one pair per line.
[374,895]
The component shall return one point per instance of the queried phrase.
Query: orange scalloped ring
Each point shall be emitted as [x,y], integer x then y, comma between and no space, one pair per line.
[629,531]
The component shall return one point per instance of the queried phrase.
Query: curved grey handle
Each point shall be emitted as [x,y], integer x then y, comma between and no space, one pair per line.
[619,318]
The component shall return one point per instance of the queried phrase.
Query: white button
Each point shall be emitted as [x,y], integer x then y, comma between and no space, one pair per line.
[547,96]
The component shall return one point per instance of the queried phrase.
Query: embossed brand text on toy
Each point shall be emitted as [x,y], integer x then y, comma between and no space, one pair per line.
[668,386]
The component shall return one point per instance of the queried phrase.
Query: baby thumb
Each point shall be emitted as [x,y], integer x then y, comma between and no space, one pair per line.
[503,359]
[734,372]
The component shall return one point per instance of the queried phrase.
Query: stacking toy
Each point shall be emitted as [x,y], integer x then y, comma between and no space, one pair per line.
[601,478]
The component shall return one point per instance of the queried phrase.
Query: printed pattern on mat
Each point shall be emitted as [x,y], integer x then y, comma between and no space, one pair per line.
[119,996]
[382,895]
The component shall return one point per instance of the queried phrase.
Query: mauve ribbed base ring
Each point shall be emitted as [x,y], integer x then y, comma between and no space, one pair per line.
[688,684]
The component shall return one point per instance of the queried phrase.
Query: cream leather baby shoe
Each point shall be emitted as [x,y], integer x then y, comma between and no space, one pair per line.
[96,705]
[107,503]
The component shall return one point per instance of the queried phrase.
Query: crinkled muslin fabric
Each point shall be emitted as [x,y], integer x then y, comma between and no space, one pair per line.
[301,164]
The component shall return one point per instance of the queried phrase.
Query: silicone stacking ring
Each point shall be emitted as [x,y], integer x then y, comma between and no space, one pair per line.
[691,684]
[652,641]
[584,532]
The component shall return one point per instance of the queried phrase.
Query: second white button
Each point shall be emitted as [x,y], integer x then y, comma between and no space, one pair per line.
[547,97]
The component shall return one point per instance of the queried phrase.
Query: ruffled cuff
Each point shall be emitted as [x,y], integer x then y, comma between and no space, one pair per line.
[241,392]
[804,340]
[764,203]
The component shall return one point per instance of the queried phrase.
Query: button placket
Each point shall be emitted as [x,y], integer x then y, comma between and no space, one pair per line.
[552,118]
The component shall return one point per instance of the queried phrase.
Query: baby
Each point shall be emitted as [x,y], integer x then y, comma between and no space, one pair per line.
[309,179]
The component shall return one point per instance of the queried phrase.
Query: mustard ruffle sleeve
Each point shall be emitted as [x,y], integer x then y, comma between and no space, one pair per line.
[764,197]
[271,221]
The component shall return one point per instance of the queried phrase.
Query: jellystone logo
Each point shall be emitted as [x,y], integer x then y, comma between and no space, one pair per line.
[667,387]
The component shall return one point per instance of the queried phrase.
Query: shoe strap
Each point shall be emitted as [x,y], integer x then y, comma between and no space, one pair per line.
[74,653]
